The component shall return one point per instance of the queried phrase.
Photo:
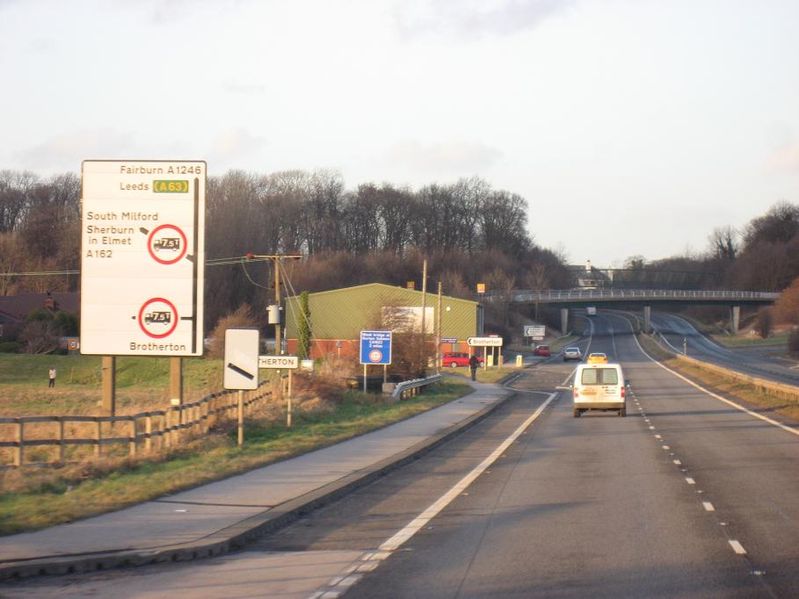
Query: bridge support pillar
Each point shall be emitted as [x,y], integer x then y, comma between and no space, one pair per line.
[647,319]
[735,318]
[564,320]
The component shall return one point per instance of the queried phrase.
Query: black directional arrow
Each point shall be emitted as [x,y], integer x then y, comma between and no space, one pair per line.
[241,371]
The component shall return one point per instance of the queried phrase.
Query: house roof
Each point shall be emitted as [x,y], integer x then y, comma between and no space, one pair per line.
[15,308]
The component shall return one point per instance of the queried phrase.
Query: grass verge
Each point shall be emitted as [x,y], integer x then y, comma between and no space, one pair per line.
[51,496]
[491,374]
[752,395]
[776,340]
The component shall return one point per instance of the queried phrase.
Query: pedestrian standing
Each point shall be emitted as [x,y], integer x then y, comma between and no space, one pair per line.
[51,376]
[473,364]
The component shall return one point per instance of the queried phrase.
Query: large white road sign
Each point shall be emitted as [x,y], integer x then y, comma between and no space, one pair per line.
[142,257]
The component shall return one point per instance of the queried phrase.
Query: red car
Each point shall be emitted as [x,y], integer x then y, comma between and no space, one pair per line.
[542,350]
[455,359]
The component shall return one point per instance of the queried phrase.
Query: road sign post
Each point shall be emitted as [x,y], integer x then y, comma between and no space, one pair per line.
[289,363]
[375,349]
[485,342]
[241,368]
[142,257]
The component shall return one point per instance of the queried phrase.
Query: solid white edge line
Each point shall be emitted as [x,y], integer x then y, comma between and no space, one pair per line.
[415,525]
[714,395]
[403,535]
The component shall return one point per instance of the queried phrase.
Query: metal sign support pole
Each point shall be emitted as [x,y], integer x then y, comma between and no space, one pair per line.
[364,378]
[288,411]
[176,379]
[109,385]
[241,418]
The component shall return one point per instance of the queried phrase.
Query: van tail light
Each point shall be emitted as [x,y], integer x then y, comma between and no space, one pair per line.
[623,392]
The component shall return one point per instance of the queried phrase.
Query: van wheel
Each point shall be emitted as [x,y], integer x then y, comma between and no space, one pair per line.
[576,413]
[623,412]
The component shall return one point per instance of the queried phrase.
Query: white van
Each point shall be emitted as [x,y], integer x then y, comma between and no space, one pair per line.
[599,387]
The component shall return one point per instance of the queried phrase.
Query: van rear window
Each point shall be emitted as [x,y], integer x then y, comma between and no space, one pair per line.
[600,376]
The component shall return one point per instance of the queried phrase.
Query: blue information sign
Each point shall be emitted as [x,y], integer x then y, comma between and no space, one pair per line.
[375,347]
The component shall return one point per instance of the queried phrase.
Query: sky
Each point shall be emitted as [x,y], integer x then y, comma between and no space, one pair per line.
[631,127]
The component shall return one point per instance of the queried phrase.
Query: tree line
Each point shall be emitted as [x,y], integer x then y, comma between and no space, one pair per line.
[468,231]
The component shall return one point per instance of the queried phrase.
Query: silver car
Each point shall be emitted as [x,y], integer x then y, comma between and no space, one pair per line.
[572,353]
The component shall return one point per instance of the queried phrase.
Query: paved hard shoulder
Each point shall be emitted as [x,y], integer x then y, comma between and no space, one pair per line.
[190,516]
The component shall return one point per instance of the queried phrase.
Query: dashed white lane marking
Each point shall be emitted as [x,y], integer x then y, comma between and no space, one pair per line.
[658,437]
[371,559]
[666,447]
[690,480]
[677,462]
[737,547]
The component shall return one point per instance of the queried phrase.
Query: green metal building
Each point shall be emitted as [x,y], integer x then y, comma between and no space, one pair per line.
[338,316]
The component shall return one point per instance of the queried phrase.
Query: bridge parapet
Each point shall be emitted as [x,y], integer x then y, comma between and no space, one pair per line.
[586,296]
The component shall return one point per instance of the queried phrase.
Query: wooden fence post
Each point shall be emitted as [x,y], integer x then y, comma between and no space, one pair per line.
[19,454]
[148,431]
[97,447]
[61,444]
[132,438]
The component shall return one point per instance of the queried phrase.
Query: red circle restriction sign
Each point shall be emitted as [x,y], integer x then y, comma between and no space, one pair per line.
[158,317]
[375,356]
[167,244]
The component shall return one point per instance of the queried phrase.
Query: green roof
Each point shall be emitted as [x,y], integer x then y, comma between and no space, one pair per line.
[343,313]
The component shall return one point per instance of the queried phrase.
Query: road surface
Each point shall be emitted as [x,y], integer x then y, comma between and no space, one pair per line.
[685,497]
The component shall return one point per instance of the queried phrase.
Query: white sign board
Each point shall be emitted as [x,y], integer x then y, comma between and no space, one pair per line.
[484,341]
[241,359]
[535,330]
[142,257]
[286,362]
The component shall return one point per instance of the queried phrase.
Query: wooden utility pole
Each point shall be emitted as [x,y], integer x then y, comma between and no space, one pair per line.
[424,310]
[278,345]
[438,331]
[276,258]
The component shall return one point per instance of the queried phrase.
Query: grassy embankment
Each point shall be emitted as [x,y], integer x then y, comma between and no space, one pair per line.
[35,497]
[753,341]
[725,386]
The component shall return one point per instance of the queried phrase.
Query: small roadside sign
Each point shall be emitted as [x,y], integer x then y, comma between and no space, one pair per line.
[484,341]
[280,362]
[535,330]
[241,359]
[375,347]
[449,340]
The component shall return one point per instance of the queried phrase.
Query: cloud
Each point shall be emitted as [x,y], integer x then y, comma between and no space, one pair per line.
[234,146]
[66,151]
[450,158]
[245,89]
[785,159]
[470,19]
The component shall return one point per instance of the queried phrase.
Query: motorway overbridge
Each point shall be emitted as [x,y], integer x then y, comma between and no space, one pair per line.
[568,299]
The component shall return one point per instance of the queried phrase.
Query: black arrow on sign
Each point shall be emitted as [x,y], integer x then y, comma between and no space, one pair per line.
[241,371]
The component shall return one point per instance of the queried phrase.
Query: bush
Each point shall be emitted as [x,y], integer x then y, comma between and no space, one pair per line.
[764,323]
[793,342]
[9,347]
[242,317]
